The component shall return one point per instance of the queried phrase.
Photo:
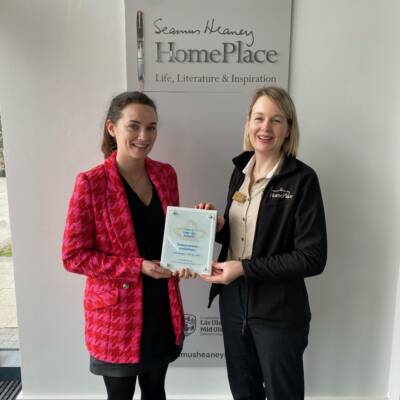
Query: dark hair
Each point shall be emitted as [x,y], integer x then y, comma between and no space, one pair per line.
[118,103]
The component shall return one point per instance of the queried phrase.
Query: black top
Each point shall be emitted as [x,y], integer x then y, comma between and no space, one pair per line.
[158,340]
[290,243]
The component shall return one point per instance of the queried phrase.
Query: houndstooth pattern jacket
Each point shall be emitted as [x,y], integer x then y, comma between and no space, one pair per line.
[99,242]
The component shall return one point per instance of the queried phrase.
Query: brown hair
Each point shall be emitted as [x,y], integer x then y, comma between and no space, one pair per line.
[118,103]
[282,99]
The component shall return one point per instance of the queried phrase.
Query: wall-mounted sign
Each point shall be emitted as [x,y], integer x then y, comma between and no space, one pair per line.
[204,46]
[201,61]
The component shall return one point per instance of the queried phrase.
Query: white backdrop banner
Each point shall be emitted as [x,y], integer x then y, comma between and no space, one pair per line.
[201,63]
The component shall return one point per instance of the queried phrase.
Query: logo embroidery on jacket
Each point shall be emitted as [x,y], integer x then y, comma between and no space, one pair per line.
[281,194]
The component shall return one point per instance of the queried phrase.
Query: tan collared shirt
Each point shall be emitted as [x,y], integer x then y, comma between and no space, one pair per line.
[243,216]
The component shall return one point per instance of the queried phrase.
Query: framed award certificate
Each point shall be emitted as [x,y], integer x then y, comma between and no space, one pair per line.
[188,242]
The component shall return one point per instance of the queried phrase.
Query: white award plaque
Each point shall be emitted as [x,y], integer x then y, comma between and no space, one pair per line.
[188,242]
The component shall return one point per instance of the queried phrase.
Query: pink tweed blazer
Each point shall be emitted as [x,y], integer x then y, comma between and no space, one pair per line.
[99,242]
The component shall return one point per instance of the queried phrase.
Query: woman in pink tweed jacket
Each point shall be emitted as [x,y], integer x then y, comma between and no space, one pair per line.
[115,220]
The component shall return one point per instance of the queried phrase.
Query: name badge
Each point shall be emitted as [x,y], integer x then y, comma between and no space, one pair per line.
[239,197]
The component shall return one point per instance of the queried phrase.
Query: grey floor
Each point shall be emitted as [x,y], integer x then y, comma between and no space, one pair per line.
[10,358]
[8,309]
[9,339]
[9,343]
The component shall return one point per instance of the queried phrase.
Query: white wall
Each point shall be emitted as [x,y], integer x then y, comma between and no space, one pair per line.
[394,379]
[345,85]
[60,63]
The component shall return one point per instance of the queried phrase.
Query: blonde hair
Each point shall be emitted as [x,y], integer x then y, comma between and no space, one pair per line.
[282,99]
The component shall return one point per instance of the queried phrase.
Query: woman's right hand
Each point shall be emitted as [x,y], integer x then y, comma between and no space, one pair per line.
[210,206]
[154,269]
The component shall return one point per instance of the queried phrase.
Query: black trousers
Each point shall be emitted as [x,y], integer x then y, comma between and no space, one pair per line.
[151,385]
[262,361]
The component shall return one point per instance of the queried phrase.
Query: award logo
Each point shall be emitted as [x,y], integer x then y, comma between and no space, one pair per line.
[190,232]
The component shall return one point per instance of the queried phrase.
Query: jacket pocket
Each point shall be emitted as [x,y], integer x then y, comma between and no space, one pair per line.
[267,301]
[96,300]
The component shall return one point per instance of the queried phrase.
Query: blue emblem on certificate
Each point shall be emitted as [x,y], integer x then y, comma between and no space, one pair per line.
[189,236]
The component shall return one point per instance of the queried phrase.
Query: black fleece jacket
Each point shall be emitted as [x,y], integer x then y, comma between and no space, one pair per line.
[290,244]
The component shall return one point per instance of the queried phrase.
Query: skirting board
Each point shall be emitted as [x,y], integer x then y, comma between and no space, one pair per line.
[180,397]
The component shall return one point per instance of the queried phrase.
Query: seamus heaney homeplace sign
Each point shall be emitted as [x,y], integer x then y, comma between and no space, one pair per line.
[188,46]
[201,61]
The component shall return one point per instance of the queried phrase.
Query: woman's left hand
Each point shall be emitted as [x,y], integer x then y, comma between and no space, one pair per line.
[225,272]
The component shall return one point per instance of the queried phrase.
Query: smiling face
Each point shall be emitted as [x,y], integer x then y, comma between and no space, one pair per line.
[267,127]
[135,131]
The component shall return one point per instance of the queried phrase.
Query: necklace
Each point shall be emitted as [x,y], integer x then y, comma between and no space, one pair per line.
[138,180]
[132,183]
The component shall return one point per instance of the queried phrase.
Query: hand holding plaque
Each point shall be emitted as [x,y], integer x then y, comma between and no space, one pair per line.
[188,242]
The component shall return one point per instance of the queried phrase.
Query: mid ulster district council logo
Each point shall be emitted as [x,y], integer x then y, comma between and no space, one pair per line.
[190,324]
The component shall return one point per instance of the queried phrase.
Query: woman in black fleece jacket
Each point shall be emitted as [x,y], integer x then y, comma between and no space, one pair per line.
[273,235]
